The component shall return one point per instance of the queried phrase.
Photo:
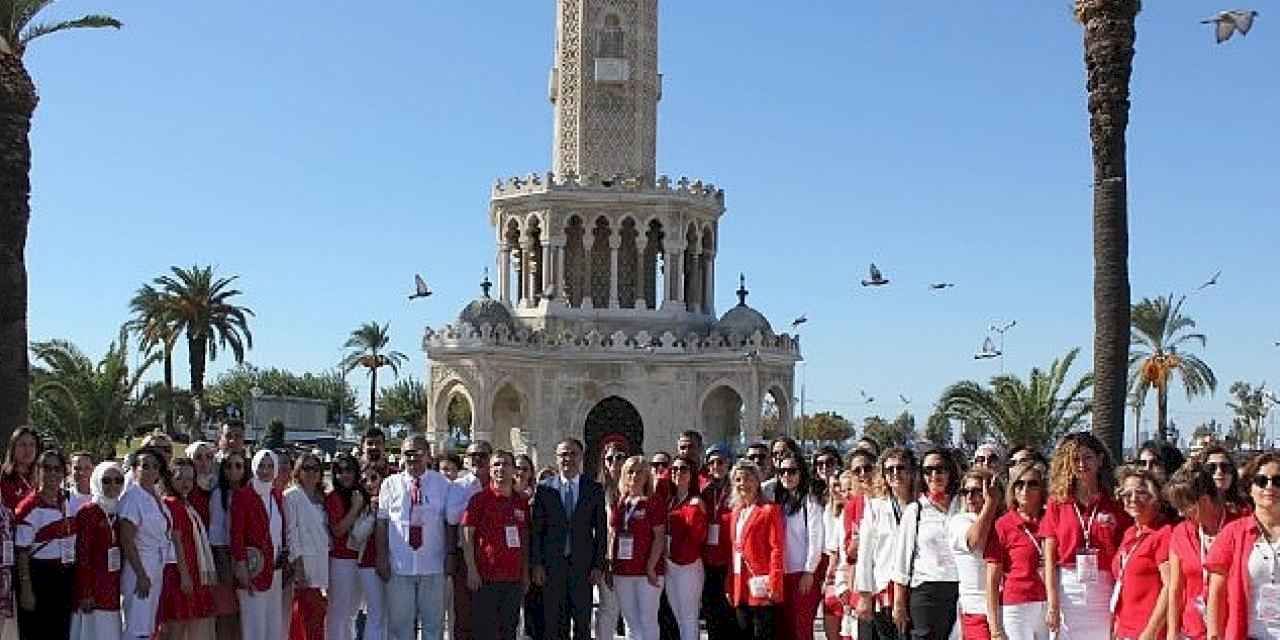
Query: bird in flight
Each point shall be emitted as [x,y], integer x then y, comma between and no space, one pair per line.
[866,398]
[988,350]
[904,399]
[799,321]
[942,285]
[1226,23]
[1210,282]
[421,290]
[877,278]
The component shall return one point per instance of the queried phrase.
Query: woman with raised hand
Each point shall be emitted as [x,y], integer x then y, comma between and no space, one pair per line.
[146,541]
[881,519]
[610,478]
[97,573]
[1141,566]
[687,533]
[968,534]
[1244,599]
[257,545]
[800,499]
[232,475]
[757,573]
[926,582]
[1082,528]
[343,507]
[637,532]
[185,599]
[372,588]
[307,536]
[1016,597]
[1194,493]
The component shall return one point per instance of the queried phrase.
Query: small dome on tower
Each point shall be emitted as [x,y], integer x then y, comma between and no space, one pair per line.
[486,310]
[742,319]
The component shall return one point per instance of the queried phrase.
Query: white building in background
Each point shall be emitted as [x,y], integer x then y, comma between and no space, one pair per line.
[603,325]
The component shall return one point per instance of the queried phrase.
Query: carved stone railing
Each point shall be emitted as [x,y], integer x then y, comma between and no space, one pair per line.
[466,335]
[550,182]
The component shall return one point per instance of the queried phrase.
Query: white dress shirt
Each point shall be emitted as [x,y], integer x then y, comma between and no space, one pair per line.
[934,560]
[970,565]
[439,500]
[805,537]
[876,536]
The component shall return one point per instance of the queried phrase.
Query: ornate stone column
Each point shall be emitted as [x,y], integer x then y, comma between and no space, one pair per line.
[709,291]
[614,243]
[693,283]
[548,268]
[558,272]
[527,273]
[504,273]
[588,250]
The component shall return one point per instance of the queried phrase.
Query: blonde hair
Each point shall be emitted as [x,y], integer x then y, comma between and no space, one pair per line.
[642,467]
[1015,474]
[1062,469]
[744,466]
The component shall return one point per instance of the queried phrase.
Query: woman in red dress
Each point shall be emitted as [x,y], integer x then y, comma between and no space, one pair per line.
[186,599]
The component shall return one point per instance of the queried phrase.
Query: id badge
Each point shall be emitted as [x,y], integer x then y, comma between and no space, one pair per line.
[737,562]
[170,555]
[713,535]
[626,547]
[513,537]
[113,559]
[1115,596]
[1087,567]
[1269,603]
[68,552]
[6,554]
[759,586]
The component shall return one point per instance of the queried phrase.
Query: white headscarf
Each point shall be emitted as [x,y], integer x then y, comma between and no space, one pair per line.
[263,487]
[207,480]
[95,486]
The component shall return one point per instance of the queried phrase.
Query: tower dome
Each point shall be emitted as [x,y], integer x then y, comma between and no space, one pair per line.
[486,310]
[742,319]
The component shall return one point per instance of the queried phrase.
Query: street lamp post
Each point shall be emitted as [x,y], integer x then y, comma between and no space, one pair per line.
[1001,329]
[256,392]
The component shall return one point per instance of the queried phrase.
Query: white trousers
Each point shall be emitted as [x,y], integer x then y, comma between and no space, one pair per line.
[1025,621]
[683,584]
[260,614]
[140,613]
[638,601]
[373,591]
[96,625]
[607,613]
[344,598]
[1086,608]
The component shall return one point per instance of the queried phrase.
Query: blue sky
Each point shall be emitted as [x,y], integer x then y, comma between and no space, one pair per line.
[327,153]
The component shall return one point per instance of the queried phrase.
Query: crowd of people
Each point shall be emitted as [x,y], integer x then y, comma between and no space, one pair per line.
[878,545]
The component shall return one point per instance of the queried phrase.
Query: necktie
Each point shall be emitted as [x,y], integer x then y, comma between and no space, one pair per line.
[568,497]
[415,530]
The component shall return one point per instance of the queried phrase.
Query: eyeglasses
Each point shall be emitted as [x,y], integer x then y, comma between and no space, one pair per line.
[896,469]
[1224,467]
[1019,485]
[986,459]
[932,470]
[789,471]
[1260,481]
[106,481]
[617,457]
[970,492]
[410,453]
[659,464]
[680,468]
[863,470]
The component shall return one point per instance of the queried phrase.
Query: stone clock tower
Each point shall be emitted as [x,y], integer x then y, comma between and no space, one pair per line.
[605,87]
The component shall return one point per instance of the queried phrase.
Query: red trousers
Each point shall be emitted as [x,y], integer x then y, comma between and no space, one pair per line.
[800,609]
[309,606]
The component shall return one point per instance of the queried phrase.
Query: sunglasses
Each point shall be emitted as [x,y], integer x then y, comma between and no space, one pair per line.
[410,453]
[1260,481]
[617,457]
[658,464]
[716,462]
[680,468]
[1149,463]
[896,469]
[986,459]
[863,470]
[933,470]
[757,456]
[970,492]
[477,454]
[342,470]
[1019,485]
[1225,467]
[789,471]
[107,481]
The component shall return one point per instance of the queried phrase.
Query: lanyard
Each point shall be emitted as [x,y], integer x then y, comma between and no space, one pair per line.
[1085,528]
[1205,542]
[1267,536]
[632,505]
[897,509]
[1133,548]
[1035,542]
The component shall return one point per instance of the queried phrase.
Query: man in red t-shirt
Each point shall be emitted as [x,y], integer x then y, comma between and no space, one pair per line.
[495,534]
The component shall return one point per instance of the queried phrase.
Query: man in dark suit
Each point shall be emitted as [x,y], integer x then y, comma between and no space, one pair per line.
[568,544]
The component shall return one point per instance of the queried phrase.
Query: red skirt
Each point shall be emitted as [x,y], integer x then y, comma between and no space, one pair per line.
[176,606]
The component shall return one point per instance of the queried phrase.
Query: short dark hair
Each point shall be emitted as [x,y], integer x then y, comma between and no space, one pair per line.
[454,458]
[372,432]
[758,445]
[503,453]
[233,423]
[692,434]
[948,461]
[573,442]
[1169,456]
[82,452]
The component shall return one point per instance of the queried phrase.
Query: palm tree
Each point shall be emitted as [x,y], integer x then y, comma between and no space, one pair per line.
[1251,410]
[17,104]
[1109,33]
[368,349]
[199,305]
[155,324]
[1033,412]
[1159,334]
[85,405]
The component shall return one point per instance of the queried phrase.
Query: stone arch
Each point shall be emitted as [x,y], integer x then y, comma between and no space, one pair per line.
[721,407]
[599,271]
[610,418]
[445,395]
[775,410]
[510,410]
[575,279]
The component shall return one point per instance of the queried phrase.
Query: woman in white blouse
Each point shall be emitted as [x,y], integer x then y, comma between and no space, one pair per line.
[926,583]
[968,535]
[803,508]
[146,540]
[307,536]
[873,572]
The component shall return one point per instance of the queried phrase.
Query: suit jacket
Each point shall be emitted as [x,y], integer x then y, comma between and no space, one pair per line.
[586,528]
[250,524]
[761,546]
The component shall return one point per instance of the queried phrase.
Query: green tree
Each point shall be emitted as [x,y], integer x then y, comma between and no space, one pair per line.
[234,388]
[18,99]
[83,404]
[938,429]
[1160,336]
[367,349]
[1250,407]
[899,433]
[404,402]
[200,304]
[459,417]
[1033,412]
[155,324]
[274,436]
[826,426]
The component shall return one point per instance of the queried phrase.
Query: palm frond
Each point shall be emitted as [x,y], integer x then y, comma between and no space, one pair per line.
[94,21]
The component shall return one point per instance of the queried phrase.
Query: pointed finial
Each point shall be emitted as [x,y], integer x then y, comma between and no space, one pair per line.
[742,290]
[485,285]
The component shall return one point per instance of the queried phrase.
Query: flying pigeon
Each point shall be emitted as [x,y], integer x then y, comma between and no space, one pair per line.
[942,285]
[799,321]
[420,286]
[988,350]
[877,279]
[1226,23]
[904,399]
[866,398]
[1210,282]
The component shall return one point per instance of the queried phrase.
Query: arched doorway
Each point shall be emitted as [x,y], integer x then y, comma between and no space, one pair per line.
[611,419]
[722,416]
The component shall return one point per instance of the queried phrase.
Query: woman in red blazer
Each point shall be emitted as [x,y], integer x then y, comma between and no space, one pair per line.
[257,538]
[1244,601]
[756,571]
[97,577]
